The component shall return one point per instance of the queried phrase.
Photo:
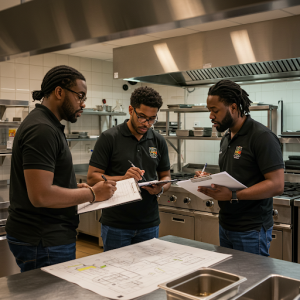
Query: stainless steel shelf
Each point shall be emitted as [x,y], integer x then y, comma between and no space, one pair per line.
[289,140]
[103,113]
[13,103]
[82,139]
[204,109]
[200,138]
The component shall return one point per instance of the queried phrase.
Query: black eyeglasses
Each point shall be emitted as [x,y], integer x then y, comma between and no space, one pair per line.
[151,121]
[81,97]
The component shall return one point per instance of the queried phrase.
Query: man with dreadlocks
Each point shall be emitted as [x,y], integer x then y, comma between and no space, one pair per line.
[42,222]
[251,153]
[133,142]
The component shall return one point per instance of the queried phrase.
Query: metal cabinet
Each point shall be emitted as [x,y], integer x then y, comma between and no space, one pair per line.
[89,224]
[207,228]
[276,245]
[177,223]
[7,260]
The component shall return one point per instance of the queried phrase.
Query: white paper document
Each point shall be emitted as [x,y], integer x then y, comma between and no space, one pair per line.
[127,191]
[223,179]
[135,270]
[149,183]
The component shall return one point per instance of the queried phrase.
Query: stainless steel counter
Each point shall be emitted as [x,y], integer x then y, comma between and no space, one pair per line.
[40,285]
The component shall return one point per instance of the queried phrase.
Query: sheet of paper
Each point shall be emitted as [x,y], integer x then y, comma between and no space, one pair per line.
[222,178]
[156,182]
[135,270]
[127,191]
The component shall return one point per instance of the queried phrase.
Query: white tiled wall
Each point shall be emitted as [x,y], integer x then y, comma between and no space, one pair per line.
[21,76]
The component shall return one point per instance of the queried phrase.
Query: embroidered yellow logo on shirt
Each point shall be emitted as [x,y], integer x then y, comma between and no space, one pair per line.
[153,152]
[238,152]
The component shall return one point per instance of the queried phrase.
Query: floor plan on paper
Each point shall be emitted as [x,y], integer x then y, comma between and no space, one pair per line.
[134,270]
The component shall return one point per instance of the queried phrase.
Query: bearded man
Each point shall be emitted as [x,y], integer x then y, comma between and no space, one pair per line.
[133,142]
[42,221]
[250,153]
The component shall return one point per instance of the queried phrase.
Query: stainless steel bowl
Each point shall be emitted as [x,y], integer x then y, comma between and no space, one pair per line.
[99,107]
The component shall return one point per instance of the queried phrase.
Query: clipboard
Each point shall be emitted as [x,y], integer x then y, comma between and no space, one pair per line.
[223,179]
[127,191]
[149,183]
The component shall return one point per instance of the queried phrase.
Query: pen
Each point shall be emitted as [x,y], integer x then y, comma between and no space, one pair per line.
[204,168]
[104,177]
[135,167]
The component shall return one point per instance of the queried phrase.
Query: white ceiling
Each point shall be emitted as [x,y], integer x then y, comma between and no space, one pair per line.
[104,51]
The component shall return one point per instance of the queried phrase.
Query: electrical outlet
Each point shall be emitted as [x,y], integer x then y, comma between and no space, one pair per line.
[88,148]
[196,124]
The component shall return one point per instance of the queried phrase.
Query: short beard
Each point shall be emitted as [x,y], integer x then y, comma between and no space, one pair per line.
[136,128]
[68,111]
[226,123]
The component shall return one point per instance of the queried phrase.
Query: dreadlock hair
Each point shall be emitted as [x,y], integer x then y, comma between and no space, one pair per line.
[62,76]
[230,92]
[147,96]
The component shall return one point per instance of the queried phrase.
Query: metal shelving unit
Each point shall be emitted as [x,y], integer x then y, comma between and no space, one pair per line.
[101,114]
[4,104]
[272,124]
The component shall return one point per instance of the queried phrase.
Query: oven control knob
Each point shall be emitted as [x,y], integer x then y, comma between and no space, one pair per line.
[173,198]
[187,200]
[209,203]
[275,212]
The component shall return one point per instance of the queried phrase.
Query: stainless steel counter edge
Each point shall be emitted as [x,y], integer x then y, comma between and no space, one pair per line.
[297,202]
[40,285]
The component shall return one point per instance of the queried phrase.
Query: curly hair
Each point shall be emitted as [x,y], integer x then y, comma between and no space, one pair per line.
[230,92]
[62,76]
[147,96]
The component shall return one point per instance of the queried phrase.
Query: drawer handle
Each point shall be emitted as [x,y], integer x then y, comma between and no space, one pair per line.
[178,220]
[273,236]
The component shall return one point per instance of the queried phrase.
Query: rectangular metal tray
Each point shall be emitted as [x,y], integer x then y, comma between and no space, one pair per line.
[184,132]
[202,132]
[204,284]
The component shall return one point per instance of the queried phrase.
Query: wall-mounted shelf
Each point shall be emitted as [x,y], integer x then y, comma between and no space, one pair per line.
[100,114]
[289,140]
[3,154]
[198,138]
[272,124]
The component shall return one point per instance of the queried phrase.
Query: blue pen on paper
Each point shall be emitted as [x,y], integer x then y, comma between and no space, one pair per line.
[104,177]
[135,167]
[204,168]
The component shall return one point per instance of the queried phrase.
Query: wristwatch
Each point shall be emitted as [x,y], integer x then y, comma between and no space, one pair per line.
[234,197]
[161,192]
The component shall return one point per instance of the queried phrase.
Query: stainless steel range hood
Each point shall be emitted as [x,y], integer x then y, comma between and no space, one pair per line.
[258,51]
[43,26]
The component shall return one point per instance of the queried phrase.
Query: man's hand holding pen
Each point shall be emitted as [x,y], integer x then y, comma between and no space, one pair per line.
[135,173]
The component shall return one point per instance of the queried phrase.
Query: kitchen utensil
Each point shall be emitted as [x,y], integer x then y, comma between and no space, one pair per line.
[108,108]
[205,284]
[202,131]
[184,132]
[99,107]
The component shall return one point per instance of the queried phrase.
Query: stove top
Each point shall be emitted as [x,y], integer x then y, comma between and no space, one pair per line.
[291,189]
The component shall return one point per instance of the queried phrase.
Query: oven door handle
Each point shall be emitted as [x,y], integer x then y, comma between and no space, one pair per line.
[178,220]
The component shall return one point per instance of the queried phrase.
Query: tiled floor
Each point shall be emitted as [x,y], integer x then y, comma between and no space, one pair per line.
[87,245]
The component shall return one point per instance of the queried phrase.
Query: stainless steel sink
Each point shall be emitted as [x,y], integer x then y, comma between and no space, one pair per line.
[204,284]
[273,287]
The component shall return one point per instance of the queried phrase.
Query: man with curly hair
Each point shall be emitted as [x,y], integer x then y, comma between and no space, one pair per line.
[133,141]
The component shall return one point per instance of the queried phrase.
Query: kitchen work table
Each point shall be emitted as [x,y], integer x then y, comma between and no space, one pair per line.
[40,285]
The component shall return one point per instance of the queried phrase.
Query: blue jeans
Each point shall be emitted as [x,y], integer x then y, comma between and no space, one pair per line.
[114,238]
[29,257]
[253,241]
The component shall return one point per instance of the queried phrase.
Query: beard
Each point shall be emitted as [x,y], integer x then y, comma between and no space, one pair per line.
[69,111]
[226,123]
[136,127]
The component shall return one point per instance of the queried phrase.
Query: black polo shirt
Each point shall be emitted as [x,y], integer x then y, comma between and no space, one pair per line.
[112,151]
[40,143]
[253,151]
